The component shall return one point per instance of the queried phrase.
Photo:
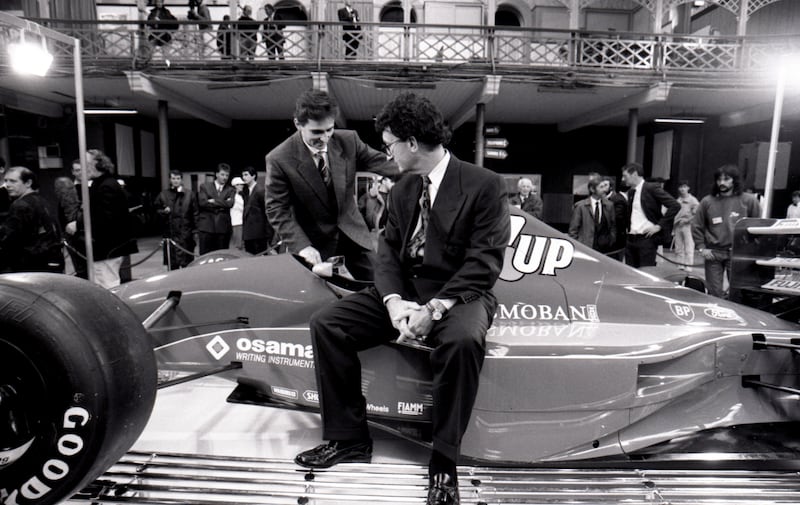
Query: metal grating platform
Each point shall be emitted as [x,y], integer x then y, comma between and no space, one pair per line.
[142,478]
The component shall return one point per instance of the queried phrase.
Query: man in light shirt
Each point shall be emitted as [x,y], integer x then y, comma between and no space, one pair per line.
[649,226]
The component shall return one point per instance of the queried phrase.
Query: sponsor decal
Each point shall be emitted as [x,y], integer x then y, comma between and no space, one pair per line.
[284,392]
[530,312]
[217,347]
[272,352]
[311,396]
[682,311]
[378,409]
[409,409]
[549,330]
[534,254]
[68,445]
[721,313]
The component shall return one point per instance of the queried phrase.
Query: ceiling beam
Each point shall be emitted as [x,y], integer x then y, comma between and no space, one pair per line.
[657,93]
[141,84]
[30,103]
[487,93]
[759,113]
[319,81]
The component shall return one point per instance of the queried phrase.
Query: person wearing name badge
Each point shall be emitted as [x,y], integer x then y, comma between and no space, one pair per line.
[714,221]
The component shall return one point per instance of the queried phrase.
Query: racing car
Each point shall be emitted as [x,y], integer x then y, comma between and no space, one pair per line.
[587,359]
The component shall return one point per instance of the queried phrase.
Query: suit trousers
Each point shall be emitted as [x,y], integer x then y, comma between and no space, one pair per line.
[213,241]
[359,322]
[640,251]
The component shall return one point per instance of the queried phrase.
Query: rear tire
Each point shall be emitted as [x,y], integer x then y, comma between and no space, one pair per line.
[77,385]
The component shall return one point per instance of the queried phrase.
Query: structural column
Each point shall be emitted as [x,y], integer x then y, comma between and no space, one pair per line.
[480,112]
[633,133]
[741,29]
[163,142]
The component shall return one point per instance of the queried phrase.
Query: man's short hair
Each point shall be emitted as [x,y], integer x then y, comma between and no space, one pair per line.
[732,171]
[409,115]
[796,194]
[684,182]
[223,167]
[25,175]
[316,105]
[251,171]
[592,184]
[522,179]
[176,172]
[101,161]
[633,168]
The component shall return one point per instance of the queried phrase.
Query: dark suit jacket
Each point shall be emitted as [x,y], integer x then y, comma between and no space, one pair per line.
[533,205]
[468,231]
[254,219]
[620,217]
[214,217]
[112,225]
[346,17]
[653,198]
[582,226]
[298,205]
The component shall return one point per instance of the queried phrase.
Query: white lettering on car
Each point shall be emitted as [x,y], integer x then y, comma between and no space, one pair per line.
[534,254]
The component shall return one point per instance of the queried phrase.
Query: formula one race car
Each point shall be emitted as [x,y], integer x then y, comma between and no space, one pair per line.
[587,359]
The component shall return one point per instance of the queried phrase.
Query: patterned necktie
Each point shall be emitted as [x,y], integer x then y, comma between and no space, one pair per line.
[597,212]
[323,168]
[416,246]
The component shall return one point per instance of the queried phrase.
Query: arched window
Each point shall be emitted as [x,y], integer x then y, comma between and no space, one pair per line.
[392,12]
[506,15]
[291,10]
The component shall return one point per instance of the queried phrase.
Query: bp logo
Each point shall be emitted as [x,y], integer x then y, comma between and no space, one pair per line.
[217,347]
[682,311]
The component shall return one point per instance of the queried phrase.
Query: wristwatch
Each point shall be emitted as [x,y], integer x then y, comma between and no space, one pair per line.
[436,308]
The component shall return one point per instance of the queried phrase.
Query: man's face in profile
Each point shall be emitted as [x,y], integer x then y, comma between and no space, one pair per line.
[316,133]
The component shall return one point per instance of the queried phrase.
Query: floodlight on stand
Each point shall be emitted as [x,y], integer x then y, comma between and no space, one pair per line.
[30,57]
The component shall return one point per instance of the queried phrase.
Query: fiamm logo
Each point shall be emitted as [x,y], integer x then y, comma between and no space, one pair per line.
[534,254]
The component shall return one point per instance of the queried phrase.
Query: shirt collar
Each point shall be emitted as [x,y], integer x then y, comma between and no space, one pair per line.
[639,186]
[437,174]
[314,150]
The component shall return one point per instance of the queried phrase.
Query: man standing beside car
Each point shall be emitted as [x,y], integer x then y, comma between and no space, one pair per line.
[438,260]
[649,226]
[215,200]
[311,187]
[714,221]
[257,233]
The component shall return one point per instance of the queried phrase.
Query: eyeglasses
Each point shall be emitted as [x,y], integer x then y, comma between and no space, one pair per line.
[387,148]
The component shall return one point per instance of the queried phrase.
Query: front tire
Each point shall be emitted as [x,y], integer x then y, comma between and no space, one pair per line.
[77,385]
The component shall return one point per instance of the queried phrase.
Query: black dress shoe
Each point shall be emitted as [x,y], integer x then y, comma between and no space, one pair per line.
[443,490]
[327,455]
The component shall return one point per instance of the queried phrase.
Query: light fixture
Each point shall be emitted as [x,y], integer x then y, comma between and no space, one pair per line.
[680,120]
[30,57]
[109,112]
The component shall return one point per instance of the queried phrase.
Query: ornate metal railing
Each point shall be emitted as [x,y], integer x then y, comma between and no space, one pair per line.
[317,42]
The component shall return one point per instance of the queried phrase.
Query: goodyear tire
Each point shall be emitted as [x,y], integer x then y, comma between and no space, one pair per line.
[77,384]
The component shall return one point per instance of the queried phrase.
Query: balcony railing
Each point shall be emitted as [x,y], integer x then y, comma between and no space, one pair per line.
[138,43]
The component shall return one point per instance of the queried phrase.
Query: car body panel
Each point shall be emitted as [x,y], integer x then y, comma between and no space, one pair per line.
[586,358]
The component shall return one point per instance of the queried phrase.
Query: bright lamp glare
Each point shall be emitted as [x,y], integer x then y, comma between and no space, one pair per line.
[30,58]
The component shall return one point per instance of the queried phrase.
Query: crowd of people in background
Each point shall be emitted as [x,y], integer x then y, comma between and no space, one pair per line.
[331,217]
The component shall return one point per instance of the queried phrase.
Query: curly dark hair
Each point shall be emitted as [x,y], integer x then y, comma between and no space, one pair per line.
[316,105]
[731,171]
[409,115]
[101,161]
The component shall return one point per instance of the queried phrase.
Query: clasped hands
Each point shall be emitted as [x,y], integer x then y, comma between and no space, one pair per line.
[411,319]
